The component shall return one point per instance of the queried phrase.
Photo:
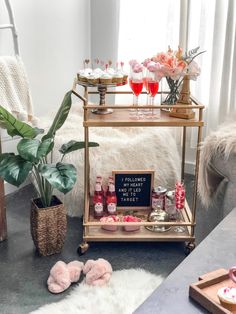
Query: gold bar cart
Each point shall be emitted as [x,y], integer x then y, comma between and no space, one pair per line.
[92,230]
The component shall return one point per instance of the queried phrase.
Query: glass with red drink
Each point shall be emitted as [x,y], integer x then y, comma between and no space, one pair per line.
[136,84]
[153,86]
[145,84]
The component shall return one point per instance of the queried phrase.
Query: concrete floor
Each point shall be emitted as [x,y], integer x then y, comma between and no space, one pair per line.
[23,274]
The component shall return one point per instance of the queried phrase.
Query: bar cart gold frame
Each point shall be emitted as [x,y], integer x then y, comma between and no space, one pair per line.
[92,231]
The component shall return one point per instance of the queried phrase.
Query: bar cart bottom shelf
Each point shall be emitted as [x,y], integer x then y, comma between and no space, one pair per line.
[93,231]
[97,234]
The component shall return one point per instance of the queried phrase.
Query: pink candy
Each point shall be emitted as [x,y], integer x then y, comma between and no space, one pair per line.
[179,195]
[130,218]
[133,62]
[152,66]
[111,218]
[146,62]
[136,66]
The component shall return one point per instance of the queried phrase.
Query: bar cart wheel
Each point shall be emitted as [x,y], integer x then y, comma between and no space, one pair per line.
[83,247]
[189,247]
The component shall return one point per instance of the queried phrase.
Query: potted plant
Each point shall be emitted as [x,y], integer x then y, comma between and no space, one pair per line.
[34,158]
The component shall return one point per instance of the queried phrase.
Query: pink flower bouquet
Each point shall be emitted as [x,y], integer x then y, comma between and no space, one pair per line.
[174,65]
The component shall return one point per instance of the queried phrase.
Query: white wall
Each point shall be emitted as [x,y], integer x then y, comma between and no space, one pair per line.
[104,29]
[54,38]
[104,34]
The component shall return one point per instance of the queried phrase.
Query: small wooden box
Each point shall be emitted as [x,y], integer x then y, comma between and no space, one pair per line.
[205,290]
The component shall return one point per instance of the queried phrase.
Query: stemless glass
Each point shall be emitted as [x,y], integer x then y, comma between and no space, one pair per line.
[153,86]
[136,84]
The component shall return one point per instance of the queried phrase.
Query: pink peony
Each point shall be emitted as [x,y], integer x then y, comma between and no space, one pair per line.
[193,70]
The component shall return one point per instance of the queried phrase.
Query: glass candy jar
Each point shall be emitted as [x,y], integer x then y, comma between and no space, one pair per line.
[158,215]
[170,205]
[158,197]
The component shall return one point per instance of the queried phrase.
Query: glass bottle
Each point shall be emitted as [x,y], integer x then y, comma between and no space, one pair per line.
[111,199]
[98,199]
[158,197]
[99,180]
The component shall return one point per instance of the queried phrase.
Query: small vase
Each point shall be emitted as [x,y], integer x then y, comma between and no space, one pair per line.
[173,92]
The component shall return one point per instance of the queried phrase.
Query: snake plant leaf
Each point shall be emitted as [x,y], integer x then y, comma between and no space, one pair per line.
[61,176]
[74,145]
[60,116]
[14,169]
[16,127]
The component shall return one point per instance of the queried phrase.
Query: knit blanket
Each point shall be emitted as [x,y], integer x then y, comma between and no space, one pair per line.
[219,143]
[120,149]
[14,89]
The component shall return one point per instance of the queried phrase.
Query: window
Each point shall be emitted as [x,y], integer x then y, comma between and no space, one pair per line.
[147,27]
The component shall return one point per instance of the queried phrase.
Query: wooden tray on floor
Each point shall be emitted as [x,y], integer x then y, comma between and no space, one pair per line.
[205,290]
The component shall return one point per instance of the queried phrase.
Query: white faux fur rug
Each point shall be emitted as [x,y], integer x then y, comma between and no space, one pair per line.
[125,292]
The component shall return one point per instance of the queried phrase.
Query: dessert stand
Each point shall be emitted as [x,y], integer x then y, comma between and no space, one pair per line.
[102,90]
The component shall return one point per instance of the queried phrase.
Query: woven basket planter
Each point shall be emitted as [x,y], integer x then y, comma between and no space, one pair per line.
[48,227]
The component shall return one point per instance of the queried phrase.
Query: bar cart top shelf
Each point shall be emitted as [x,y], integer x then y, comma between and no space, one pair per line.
[119,114]
[120,118]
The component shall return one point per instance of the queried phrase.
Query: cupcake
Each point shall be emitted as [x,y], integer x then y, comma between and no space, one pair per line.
[111,218]
[111,71]
[98,71]
[117,78]
[93,78]
[227,297]
[83,74]
[125,77]
[105,78]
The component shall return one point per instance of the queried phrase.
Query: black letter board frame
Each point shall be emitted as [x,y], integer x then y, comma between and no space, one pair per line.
[128,184]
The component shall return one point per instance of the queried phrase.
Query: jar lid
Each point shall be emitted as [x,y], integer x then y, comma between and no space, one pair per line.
[159,190]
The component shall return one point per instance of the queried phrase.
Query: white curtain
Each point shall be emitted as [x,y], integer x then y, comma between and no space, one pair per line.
[212,26]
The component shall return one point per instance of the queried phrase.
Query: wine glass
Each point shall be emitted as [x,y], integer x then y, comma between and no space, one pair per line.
[153,86]
[136,84]
[145,83]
